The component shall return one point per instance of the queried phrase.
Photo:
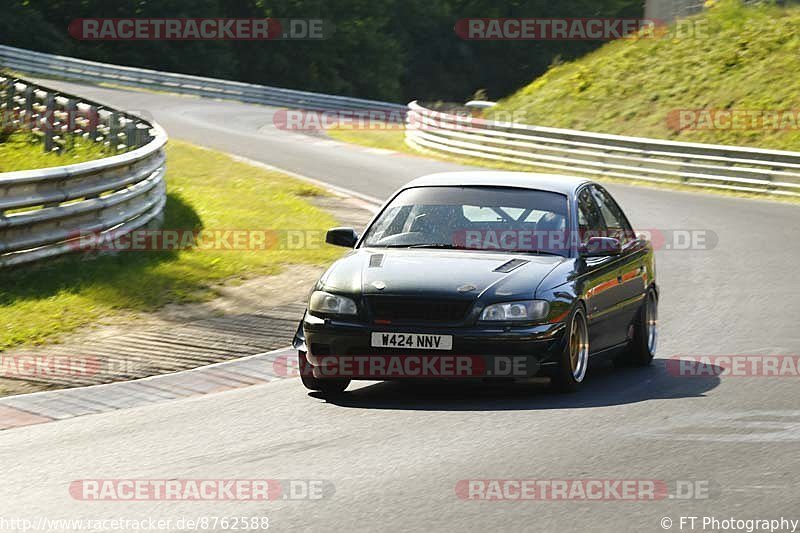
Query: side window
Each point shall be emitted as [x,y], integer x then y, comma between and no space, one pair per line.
[615,221]
[590,220]
[392,222]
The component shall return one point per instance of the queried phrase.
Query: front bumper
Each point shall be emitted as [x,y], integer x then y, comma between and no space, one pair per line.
[343,349]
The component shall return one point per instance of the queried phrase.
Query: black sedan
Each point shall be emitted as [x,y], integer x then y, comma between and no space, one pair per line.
[483,275]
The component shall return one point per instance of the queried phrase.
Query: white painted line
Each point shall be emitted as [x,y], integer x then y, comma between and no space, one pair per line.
[327,142]
[377,203]
[379,151]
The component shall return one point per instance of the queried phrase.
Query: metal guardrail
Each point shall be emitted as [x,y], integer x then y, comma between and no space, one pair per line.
[46,212]
[30,62]
[669,10]
[734,168]
[58,118]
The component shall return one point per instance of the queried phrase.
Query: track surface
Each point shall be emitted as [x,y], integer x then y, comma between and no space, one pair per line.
[395,453]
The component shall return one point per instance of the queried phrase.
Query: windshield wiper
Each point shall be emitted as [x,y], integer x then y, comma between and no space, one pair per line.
[445,246]
[441,246]
[534,252]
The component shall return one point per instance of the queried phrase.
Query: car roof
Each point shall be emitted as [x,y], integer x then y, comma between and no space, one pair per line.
[526,180]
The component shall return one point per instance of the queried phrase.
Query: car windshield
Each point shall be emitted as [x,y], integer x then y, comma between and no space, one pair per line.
[478,218]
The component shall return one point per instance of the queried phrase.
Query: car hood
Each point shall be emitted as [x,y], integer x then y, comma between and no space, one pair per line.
[431,273]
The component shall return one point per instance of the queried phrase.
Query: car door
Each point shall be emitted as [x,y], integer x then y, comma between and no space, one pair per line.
[598,276]
[631,264]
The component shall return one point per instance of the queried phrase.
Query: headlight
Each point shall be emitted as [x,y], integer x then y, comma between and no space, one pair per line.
[327,303]
[516,311]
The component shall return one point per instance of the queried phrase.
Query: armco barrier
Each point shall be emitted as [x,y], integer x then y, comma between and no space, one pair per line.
[42,212]
[773,172]
[30,62]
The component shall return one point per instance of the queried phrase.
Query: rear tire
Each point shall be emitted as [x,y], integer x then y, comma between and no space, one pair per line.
[642,348]
[574,360]
[328,387]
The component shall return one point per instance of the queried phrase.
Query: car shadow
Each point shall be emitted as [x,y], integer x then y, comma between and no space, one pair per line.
[605,386]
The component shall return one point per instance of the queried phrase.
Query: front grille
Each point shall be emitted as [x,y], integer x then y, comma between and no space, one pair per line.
[416,310]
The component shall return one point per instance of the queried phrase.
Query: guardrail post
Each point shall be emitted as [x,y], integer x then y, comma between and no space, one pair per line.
[142,134]
[138,137]
[113,133]
[10,89]
[130,134]
[49,121]
[72,112]
[93,120]
[30,96]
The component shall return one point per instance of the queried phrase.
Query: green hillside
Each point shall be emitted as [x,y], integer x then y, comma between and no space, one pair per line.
[745,60]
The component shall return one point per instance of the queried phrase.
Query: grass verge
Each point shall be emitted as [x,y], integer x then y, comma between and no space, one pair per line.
[23,151]
[390,138]
[731,57]
[206,190]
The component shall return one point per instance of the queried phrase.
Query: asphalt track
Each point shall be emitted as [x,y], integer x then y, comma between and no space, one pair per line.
[395,452]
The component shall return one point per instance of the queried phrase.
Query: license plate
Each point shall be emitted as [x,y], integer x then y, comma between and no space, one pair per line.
[414,341]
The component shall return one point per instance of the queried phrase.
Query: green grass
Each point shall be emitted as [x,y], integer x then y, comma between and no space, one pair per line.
[744,58]
[206,189]
[23,151]
[391,138]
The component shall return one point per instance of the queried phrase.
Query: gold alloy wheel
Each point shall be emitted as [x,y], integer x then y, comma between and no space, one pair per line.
[579,347]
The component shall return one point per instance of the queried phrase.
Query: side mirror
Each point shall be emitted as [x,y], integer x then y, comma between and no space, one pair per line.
[346,237]
[601,247]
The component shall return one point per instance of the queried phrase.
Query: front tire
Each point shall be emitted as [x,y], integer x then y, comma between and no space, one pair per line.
[574,360]
[328,387]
